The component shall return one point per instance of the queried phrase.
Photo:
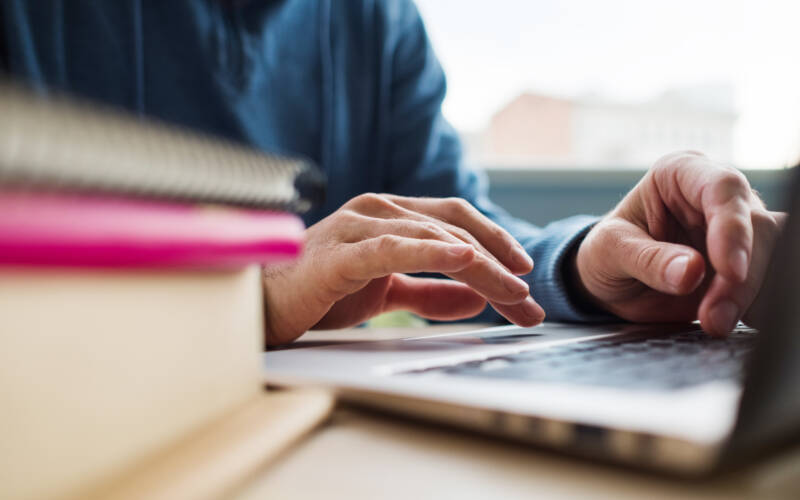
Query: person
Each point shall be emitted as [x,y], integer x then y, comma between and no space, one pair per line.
[356,87]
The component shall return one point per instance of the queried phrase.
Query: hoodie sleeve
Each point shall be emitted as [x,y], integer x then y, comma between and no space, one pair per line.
[424,158]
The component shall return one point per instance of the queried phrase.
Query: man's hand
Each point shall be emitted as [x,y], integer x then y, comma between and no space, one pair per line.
[354,263]
[691,241]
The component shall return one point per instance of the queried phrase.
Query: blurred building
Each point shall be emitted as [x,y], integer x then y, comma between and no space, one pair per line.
[537,130]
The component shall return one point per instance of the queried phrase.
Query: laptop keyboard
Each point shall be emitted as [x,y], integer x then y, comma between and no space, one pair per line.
[630,361]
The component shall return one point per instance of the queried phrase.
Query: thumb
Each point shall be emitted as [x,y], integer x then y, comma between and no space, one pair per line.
[666,267]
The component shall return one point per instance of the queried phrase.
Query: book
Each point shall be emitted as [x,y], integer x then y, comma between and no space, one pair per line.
[63,229]
[131,305]
[58,142]
[102,371]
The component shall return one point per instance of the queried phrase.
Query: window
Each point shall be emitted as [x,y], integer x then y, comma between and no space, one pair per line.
[618,83]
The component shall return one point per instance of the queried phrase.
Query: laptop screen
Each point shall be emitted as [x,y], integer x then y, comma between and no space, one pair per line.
[770,408]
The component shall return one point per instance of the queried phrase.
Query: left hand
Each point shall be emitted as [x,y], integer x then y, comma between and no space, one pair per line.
[691,241]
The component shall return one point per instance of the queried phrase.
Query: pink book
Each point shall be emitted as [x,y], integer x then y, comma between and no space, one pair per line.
[53,229]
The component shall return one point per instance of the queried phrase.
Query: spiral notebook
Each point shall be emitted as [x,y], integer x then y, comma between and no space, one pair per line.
[87,186]
[56,142]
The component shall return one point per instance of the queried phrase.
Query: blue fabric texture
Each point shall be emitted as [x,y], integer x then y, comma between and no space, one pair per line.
[352,85]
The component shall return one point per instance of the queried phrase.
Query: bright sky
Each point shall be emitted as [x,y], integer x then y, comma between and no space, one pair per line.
[626,49]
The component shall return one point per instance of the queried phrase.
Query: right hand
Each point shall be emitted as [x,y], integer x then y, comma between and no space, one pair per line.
[697,213]
[354,262]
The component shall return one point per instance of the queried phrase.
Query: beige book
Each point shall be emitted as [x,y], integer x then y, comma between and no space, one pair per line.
[102,370]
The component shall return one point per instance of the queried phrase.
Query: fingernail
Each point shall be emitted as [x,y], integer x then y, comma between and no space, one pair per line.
[676,270]
[738,262]
[458,250]
[522,259]
[724,316]
[514,284]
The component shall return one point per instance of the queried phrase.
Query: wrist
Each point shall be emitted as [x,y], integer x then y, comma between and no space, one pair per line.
[575,287]
[276,331]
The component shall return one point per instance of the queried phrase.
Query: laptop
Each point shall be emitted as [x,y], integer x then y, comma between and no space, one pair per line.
[661,397]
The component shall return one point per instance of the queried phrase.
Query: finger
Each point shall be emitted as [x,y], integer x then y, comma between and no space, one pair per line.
[387,254]
[438,299]
[409,224]
[724,198]
[492,281]
[666,267]
[723,305]
[419,225]
[484,274]
[726,302]
[446,300]
[460,213]
[526,313]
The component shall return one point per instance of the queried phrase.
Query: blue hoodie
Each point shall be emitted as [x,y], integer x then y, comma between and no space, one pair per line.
[353,85]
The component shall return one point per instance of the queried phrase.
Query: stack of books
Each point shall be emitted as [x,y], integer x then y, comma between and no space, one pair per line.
[131,311]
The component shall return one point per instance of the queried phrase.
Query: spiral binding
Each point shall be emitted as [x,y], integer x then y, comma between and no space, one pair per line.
[60,143]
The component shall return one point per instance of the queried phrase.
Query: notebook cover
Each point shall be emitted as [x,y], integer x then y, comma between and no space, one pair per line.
[52,229]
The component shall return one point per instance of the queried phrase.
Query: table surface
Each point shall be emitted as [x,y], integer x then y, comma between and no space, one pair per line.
[364,454]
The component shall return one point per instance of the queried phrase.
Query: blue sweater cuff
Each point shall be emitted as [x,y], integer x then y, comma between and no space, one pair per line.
[547,282]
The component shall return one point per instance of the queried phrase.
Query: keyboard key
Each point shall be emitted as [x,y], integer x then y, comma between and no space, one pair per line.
[635,361]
